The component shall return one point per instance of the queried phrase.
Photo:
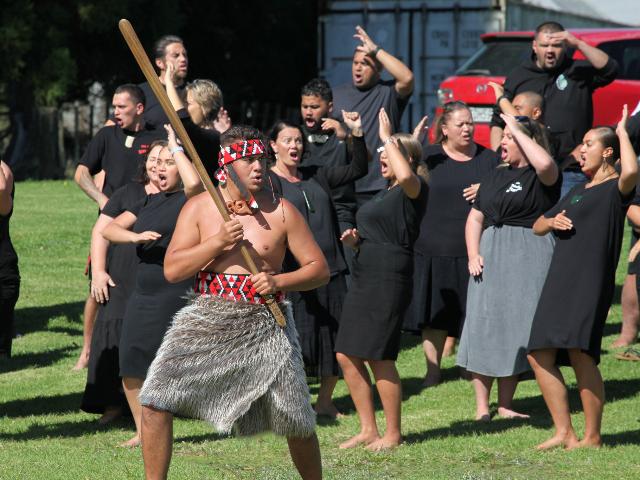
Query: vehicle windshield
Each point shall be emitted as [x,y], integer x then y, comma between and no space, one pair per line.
[497,58]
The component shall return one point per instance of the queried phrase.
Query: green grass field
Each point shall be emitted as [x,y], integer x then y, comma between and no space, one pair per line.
[44,435]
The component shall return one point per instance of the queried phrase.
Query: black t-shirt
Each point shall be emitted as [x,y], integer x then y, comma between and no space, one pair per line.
[567,92]
[157,213]
[515,196]
[314,204]
[119,153]
[330,153]
[8,256]
[124,198]
[442,227]
[392,218]
[153,113]
[368,103]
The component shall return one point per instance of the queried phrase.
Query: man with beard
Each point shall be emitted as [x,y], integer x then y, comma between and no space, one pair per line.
[325,145]
[367,94]
[565,84]
[169,49]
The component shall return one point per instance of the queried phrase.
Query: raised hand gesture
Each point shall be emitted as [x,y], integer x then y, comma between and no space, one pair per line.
[564,36]
[621,128]
[222,123]
[421,129]
[172,141]
[352,120]
[385,130]
[368,47]
[498,89]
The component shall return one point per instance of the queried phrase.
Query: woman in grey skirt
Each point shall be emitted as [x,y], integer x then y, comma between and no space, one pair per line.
[508,263]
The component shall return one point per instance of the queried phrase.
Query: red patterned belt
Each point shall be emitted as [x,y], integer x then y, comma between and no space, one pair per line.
[236,287]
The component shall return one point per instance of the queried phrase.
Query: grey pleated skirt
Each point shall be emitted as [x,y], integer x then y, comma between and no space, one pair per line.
[502,301]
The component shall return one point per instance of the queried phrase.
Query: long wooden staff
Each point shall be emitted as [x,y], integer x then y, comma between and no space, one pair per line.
[138,52]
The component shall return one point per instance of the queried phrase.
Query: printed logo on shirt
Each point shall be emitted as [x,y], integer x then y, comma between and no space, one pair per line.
[144,148]
[514,187]
[562,82]
[575,199]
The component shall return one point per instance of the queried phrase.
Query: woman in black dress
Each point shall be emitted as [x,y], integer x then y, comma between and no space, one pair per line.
[9,274]
[380,291]
[441,275]
[113,271]
[588,224]
[149,224]
[317,312]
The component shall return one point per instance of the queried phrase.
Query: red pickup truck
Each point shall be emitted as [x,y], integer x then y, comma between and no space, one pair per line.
[502,51]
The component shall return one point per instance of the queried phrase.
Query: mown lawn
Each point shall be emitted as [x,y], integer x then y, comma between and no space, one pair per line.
[44,435]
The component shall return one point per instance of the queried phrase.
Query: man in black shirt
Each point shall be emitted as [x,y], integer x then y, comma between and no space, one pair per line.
[566,86]
[367,94]
[117,149]
[325,144]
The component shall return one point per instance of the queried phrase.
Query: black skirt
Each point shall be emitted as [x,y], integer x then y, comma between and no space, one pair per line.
[317,315]
[104,385]
[439,294]
[149,313]
[375,304]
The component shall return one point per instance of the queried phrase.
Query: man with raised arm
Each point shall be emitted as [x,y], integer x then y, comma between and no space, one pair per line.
[367,94]
[225,359]
[565,84]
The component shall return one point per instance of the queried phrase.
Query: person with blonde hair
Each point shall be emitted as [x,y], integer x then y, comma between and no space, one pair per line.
[369,332]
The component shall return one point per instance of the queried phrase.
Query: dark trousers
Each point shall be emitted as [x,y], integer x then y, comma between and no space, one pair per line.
[9,292]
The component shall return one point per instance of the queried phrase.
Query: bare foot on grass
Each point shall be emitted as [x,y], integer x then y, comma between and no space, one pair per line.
[568,440]
[384,443]
[360,439]
[508,413]
[83,361]
[586,443]
[131,443]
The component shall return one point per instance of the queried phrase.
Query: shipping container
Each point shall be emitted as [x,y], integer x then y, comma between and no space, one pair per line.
[432,37]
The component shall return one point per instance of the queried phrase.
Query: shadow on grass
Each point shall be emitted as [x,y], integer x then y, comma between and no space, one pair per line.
[466,428]
[204,437]
[36,319]
[631,437]
[35,360]
[411,386]
[69,429]
[540,418]
[54,404]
